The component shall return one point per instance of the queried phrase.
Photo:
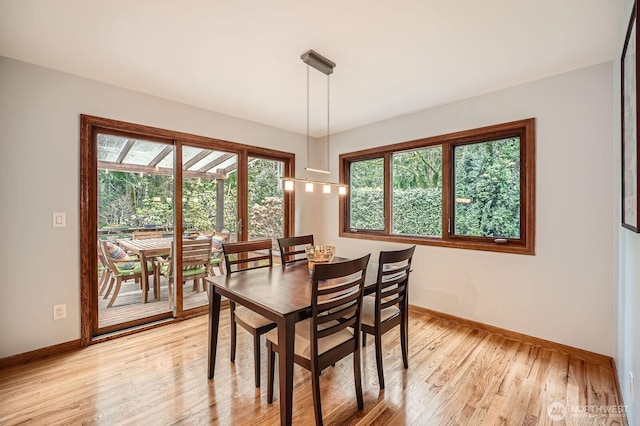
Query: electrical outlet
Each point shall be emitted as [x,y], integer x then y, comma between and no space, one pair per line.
[59,311]
[632,387]
[59,220]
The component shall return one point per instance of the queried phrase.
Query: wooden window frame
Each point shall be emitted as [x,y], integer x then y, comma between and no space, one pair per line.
[524,129]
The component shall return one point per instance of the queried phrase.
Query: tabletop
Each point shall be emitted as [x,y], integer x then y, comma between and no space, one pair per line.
[278,290]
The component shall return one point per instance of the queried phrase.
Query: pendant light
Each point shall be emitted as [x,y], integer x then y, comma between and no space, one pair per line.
[325,66]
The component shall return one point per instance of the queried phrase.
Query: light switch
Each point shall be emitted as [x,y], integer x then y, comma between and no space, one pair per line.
[59,220]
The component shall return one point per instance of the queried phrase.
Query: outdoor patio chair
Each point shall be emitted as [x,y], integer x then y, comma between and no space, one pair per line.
[122,267]
[196,255]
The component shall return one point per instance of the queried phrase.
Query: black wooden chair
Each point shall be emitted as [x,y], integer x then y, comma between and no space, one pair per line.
[321,340]
[387,309]
[291,247]
[242,256]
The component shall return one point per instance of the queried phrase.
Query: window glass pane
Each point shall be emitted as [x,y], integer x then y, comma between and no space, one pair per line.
[209,192]
[487,189]
[417,192]
[266,200]
[367,194]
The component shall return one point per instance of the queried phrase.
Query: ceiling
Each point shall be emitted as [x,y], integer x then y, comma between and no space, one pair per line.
[242,57]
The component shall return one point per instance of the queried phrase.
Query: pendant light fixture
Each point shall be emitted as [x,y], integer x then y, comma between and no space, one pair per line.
[325,66]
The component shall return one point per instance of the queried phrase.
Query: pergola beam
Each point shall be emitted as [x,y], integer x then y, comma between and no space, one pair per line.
[163,171]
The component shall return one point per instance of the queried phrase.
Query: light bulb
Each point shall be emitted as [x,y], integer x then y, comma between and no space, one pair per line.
[342,190]
[288,185]
[326,189]
[308,187]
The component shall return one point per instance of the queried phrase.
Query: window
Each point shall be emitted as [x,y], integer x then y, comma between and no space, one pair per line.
[472,189]
[366,195]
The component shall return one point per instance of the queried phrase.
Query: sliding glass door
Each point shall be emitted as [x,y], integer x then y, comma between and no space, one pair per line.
[146,192]
[209,213]
[135,193]
[266,216]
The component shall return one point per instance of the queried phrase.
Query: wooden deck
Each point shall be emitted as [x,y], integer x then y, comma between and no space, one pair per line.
[128,305]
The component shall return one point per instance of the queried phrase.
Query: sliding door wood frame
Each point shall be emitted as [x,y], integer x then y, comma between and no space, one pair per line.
[89,127]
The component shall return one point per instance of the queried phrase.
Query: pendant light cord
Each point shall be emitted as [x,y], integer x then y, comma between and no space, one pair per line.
[307,119]
[328,117]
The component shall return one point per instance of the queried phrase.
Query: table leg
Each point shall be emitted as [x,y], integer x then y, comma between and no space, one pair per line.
[145,277]
[286,338]
[214,321]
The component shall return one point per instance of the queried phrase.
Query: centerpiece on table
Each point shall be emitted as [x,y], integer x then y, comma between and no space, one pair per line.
[319,254]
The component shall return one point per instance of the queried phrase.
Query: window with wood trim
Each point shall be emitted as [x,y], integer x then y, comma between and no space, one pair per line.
[473,189]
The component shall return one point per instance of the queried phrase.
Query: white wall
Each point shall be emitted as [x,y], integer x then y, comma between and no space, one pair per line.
[627,355]
[565,293]
[39,174]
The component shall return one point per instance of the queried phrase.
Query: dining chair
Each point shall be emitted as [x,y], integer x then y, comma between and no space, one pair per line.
[387,308]
[195,265]
[333,330]
[145,235]
[122,267]
[242,256]
[291,247]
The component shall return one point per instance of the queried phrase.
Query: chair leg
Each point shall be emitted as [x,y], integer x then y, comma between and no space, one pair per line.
[102,282]
[156,283]
[357,377]
[271,366]
[115,292]
[315,386]
[170,290]
[256,357]
[364,339]
[404,337]
[112,280]
[232,309]
[378,339]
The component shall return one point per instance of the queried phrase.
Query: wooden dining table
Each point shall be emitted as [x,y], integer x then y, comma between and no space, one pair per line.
[282,294]
[148,249]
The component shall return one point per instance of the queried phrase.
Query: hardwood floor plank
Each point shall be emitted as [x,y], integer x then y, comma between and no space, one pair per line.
[457,375]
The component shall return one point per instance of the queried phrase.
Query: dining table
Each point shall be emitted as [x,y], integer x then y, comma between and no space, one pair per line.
[147,249]
[281,294]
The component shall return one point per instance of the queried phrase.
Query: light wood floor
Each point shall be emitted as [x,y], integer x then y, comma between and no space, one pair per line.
[456,375]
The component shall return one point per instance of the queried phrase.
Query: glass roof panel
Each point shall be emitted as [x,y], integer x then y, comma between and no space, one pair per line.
[167,162]
[142,152]
[109,147]
[206,161]
[228,163]
[188,152]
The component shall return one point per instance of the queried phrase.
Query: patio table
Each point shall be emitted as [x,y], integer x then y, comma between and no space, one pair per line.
[148,249]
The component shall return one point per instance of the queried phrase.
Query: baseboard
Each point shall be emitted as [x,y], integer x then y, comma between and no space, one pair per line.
[26,357]
[34,355]
[582,354]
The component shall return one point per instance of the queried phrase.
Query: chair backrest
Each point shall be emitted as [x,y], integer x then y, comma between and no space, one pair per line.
[393,278]
[124,262]
[195,254]
[337,290]
[247,255]
[291,247]
[145,235]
